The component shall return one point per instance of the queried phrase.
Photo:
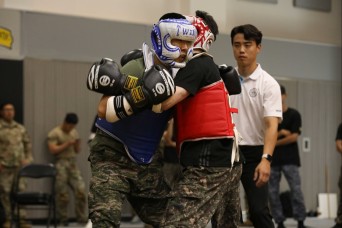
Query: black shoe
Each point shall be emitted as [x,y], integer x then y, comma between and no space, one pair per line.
[63,223]
[281,225]
[301,224]
[82,222]
[337,226]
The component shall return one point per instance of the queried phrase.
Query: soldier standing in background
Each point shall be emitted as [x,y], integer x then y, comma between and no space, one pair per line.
[64,144]
[15,152]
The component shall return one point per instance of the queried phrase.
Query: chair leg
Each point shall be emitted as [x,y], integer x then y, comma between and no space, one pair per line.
[13,214]
[49,216]
[54,214]
[18,216]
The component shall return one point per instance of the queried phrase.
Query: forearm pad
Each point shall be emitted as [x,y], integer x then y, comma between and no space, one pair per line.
[117,108]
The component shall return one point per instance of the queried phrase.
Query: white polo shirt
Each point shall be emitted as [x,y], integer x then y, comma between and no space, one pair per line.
[260,97]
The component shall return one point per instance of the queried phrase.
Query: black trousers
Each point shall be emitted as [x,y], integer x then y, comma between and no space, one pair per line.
[257,198]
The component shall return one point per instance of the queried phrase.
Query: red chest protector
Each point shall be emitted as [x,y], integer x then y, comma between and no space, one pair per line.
[207,115]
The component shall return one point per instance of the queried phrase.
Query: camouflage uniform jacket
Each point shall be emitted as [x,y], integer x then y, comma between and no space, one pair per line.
[15,144]
[58,136]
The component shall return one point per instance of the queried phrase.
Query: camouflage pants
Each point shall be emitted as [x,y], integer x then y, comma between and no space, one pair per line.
[292,176]
[204,193]
[172,173]
[115,178]
[7,177]
[69,175]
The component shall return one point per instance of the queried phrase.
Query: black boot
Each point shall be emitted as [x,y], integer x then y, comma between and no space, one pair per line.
[301,224]
[281,225]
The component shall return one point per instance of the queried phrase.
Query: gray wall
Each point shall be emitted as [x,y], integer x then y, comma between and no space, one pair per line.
[285,58]
[58,51]
[319,103]
[83,39]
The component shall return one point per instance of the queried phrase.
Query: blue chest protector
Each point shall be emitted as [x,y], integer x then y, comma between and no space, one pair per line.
[140,133]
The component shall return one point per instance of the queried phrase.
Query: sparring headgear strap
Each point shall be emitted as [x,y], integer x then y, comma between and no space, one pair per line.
[205,37]
[166,30]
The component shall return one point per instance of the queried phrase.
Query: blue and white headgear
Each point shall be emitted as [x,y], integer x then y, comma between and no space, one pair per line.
[166,30]
[205,37]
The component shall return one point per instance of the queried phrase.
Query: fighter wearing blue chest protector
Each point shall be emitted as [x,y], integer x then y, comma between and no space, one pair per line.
[123,159]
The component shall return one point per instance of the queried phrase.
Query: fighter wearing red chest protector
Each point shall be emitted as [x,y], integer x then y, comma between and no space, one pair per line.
[206,138]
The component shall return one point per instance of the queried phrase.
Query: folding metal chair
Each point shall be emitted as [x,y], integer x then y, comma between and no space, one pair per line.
[35,199]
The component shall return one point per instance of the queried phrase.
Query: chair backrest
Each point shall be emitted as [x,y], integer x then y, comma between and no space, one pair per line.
[32,196]
[38,171]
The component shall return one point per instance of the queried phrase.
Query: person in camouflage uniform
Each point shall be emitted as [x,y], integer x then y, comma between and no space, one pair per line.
[64,144]
[15,152]
[124,156]
[206,139]
[210,183]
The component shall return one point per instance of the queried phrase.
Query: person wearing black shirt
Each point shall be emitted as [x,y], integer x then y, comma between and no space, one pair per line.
[338,141]
[209,186]
[286,160]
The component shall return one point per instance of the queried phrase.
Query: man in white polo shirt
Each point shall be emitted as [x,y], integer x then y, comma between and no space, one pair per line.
[260,111]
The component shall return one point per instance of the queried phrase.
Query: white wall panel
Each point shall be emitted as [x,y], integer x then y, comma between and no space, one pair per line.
[320,105]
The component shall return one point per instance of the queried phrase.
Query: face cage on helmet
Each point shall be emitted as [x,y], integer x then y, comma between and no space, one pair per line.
[205,37]
[165,51]
[204,42]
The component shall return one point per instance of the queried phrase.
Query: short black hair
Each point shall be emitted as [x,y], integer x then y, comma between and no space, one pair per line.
[4,103]
[71,118]
[282,90]
[249,31]
[172,15]
[209,20]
